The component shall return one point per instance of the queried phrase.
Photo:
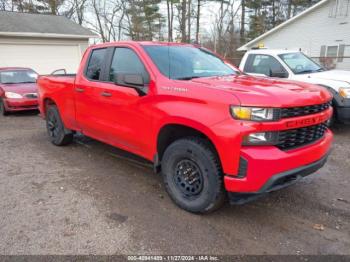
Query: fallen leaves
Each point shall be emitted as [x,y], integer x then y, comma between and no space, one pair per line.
[319,227]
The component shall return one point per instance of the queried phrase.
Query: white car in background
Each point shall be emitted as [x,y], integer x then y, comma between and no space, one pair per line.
[295,65]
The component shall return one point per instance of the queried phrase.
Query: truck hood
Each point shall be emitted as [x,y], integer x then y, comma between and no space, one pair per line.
[20,88]
[332,78]
[265,92]
[336,75]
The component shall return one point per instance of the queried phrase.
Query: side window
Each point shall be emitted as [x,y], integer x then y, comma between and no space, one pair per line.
[264,64]
[94,67]
[126,61]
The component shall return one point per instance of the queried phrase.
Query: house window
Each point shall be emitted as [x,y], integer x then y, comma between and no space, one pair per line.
[347,50]
[339,8]
[332,51]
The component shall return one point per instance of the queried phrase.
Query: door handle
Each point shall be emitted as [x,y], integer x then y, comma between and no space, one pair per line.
[106,94]
[80,90]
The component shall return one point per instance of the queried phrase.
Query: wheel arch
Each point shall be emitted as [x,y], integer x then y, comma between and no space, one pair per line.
[46,103]
[171,132]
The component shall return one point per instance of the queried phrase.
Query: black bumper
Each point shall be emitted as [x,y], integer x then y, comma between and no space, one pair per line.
[277,182]
[343,114]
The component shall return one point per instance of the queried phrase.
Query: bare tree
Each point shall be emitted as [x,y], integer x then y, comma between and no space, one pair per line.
[3,5]
[106,13]
[76,10]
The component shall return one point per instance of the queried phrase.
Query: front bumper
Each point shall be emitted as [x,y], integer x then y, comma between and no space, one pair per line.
[278,182]
[343,114]
[21,104]
[268,163]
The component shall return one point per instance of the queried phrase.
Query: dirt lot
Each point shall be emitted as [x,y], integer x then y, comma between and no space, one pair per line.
[88,199]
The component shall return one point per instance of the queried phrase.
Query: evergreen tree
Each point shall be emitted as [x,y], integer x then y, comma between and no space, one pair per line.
[267,14]
[145,19]
[38,6]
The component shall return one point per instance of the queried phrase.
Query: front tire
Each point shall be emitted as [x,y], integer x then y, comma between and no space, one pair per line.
[192,175]
[59,135]
[3,111]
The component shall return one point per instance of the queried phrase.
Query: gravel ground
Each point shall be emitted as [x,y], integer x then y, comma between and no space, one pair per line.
[88,198]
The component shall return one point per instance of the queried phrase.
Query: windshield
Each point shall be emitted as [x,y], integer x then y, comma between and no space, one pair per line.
[187,62]
[300,63]
[17,76]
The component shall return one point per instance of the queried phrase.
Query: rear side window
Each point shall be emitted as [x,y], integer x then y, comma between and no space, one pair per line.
[95,64]
[126,61]
[263,64]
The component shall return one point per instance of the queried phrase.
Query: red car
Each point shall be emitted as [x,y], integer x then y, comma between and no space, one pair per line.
[209,129]
[18,89]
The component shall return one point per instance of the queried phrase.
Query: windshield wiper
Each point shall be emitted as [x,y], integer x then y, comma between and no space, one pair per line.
[306,71]
[187,77]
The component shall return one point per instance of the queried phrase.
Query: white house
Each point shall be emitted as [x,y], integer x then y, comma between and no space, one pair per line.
[42,42]
[322,32]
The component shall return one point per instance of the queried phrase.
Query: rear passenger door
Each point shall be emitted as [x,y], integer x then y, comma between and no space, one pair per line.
[87,94]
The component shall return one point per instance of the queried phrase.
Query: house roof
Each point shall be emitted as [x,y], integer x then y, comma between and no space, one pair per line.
[41,25]
[286,23]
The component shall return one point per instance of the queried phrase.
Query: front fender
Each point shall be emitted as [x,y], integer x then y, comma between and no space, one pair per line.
[224,135]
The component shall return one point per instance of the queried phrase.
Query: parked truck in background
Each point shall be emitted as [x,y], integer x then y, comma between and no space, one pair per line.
[295,65]
[210,130]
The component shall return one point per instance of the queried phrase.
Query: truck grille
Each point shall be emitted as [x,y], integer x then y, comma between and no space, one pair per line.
[294,138]
[305,110]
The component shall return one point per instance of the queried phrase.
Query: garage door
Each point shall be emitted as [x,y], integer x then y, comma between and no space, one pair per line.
[42,58]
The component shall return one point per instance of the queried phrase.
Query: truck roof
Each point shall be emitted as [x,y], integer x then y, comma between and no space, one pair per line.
[143,43]
[271,51]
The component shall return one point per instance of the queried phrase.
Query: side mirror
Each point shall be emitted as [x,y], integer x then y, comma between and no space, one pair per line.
[135,81]
[279,74]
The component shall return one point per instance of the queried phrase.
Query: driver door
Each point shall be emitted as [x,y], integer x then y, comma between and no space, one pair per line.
[121,108]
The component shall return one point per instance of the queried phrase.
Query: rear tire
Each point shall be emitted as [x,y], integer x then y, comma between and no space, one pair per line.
[59,135]
[192,175]
[3,111]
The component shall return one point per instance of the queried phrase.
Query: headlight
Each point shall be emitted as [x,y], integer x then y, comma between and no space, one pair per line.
[255,113]
[263,138]
[13,95]
[344,92]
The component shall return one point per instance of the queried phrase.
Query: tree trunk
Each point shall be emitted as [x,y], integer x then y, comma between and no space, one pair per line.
[183,21]
[289,10]
[170,17]
[242,32]
[273,14]
[189,21]
[198,18]
[98,18]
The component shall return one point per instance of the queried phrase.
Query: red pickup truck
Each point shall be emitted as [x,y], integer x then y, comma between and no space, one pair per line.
[209,129]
